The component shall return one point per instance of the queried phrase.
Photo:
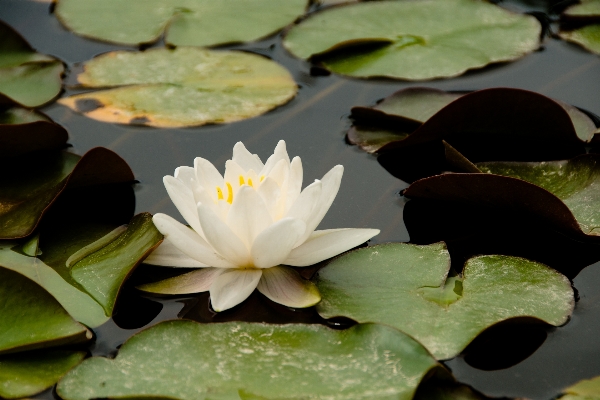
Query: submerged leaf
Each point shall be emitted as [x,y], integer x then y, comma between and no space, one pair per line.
[182,87]
[26,374]
[413,40]
[407,286]
[39,179]
[255,361]
[26,77]
[30,318]
[186,22]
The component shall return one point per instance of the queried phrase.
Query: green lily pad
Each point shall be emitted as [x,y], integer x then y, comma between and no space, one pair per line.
[30,318]
[26,374]
[26,77]
[182,87]
[588,37]
[39,179]
[407,286]
[87,286]
[581,25]
[585,9]
[26,131]
[407,110]
[255,361]
[186,22]
[413,40]
[587,389]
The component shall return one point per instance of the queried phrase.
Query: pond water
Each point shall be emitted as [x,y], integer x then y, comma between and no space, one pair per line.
[313,125]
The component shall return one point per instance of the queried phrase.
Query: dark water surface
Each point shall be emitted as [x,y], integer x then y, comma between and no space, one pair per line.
[314,125]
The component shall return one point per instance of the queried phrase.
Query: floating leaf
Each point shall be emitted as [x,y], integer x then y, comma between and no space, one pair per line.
[413,40]
[585,9]
[30,318]
[407,286]
[588,37]
[38,180]
[26,374]
[26,131]
[182,87]
[563,195]
[255,361]
[587,389]
[585,25]
[487,125]
[26,77]
[186,22]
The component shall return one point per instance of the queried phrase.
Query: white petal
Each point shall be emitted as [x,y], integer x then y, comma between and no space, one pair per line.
[331,184]
[294,185]
[222,239]
[189,242]
[183,198]
[201,195]
[245,159]
[279,172]
[192,282]
[322,245]
[285,286]
[248,215]
[207,176]
[167,255]
[274,244]
[187,175]
[280,153]
[233,172]
[269,191]
[305,204]
[232,287]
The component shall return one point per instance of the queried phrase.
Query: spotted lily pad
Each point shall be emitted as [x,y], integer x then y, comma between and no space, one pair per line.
[562,195]
[186,22]
[413,40]
[26,77]
[182,87]
[407,286]
[587,389]
[26,131]
[30,318]
[85,273]
[255,361]
[39,179]
[26,374]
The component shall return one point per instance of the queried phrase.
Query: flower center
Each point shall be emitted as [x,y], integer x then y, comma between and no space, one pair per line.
[228,194]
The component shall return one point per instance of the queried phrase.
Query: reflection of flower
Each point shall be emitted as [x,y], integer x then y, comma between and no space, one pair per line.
[245,225]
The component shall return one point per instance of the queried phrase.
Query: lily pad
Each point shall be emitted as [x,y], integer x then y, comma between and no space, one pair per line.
[581,25]
[407,286]
[26,131]
[26,374]
[563,195]
[587,389]
[30,318]
[255,361]
[487,125]
[413,40]
[588,37]
[186,22]
[26,77]
[87,288]
[182,87]
[407,110]
[39,179]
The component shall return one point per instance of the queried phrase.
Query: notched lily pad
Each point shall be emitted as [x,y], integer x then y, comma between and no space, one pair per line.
[39,179]
[26,77]
[26,374]
[407,286]
[562,195]
[182,87]
[30,318]
[255,361]
[184,22]
[413,40]
[26,131]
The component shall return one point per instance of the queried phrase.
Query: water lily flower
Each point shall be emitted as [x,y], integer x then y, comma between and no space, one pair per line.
[247,228]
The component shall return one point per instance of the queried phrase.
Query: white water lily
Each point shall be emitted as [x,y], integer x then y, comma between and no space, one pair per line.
[247,228]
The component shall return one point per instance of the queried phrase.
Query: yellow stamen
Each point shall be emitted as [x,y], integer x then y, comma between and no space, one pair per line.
[219,193]
[229,193]
[250,182]
[262,178]
[241,180]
